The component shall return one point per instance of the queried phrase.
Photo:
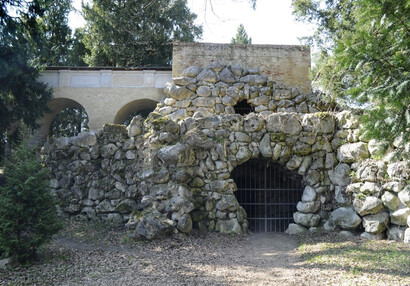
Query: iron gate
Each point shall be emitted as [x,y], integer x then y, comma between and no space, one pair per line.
[268,193]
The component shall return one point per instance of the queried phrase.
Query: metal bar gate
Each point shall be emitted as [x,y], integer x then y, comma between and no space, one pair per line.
[268,193]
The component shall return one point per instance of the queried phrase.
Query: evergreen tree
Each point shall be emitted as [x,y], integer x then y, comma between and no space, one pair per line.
[27,209]
[364,60]
[241,36]
[23,98]
[136,32]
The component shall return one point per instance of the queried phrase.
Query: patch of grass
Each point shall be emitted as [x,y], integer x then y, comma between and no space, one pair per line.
[354,257]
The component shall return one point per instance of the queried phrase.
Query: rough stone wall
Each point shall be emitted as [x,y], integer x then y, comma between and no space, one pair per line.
[286,64]
[171,172]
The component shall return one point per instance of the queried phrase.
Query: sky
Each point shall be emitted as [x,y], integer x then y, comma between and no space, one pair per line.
[271,22]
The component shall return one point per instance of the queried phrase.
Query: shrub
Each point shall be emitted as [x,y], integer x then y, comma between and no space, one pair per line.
[27,209]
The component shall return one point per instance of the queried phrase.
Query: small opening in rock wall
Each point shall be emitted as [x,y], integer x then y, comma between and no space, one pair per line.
[268,193]
[243,108]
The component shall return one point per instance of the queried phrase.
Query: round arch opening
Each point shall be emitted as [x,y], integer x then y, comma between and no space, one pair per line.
[67,118]
[269,194]
[137,107]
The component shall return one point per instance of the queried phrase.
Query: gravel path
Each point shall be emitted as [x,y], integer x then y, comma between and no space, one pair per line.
[79,257]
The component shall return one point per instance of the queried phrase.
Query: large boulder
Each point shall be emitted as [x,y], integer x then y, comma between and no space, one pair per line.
[351,152]
[340,175]
[376,223]
[400,216]
[288,123]
[404,196]
[306,219]
[370,205]
[346,218]
[152,225]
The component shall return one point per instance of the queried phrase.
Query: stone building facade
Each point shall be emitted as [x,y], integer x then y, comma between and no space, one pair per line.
[172,172]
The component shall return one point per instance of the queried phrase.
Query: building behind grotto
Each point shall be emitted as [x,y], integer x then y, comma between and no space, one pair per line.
[238,142]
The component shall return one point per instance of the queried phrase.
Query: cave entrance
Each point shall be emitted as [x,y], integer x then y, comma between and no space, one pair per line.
[269,193]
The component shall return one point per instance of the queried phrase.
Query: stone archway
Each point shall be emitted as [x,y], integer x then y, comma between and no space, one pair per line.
[269,193]
[132,107]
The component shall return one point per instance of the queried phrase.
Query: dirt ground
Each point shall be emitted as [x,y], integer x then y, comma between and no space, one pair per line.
[198,259]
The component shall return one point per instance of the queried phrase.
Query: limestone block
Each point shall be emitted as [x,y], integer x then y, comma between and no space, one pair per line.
[260,100]
[108,150]
[177,92]
[308,207]
[184,80]
[227,203]
[302,149]
[370,205]
[265,146]
[257,80]
[340,175]
[227,75]
[399,171]
[179,204]
[369,188]
[294,162]
[191,71]
[371,236]
[330,160]
[203,102]
[390,200]
[294,228]
[371,171]
[351,152]
[304,166]
[318,123]
[288,123]
[395,233]
[229,226]
[309,194]
[208,75]
[346,218]
[404,196]
[400,216]
[376,223]
[306,219]
[185,223]
[243,154]
[312,177]
[153,225]
[85,139]
[340,196]
[393,186]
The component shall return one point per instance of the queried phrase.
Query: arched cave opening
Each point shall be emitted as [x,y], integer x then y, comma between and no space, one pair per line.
[269,194]
[243,108]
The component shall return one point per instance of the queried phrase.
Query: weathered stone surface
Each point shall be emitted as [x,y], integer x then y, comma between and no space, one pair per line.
[185,223]
[265,147]
[390,200]
[179,204]
[191,71]
[108,150]
[171,154]
[340,175]
[370,188]
[177,92]
[318,123]
[84,139]
[395,233]
[399,171]
[227,203]
[400,216]
[376,223]
[351,152]
[309,194]
[208,75]
[306,219]
[308,207]
[404,196]
[294,163]
[152,225]
[288,123]
[372,236]
[346,218]
[294,228]
[393,186]
[370,205]
[229,226]
[227,76]
[312,177]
